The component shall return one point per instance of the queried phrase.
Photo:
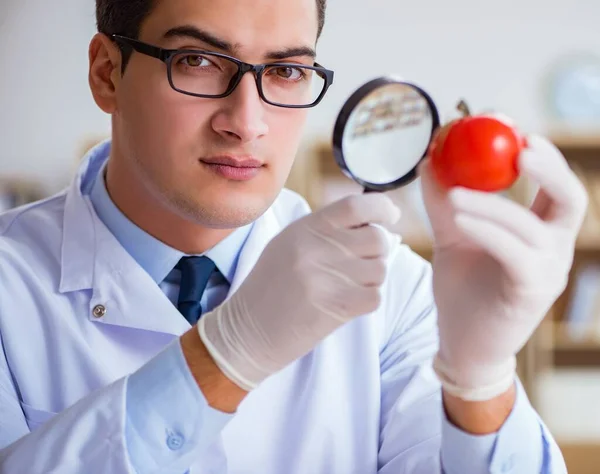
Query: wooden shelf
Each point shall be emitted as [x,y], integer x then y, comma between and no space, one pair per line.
[581,458]
[585,345]
[576,358]
[588,245]
[556,336]
[566,352]
[575,141]
[583,247]
[581,149]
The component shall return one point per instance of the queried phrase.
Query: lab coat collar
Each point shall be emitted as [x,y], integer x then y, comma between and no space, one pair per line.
[79,240]
[92,258]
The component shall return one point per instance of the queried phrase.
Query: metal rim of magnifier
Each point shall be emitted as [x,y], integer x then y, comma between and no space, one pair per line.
[344,116]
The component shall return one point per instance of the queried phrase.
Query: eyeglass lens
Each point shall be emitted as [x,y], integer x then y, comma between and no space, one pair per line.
[211,75]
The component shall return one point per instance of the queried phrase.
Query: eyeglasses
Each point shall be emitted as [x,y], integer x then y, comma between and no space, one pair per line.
[208,74]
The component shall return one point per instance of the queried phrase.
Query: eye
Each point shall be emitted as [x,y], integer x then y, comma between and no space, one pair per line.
[194,61]
[290,73]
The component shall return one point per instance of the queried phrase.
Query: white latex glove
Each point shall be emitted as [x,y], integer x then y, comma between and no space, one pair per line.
[498,268]
[319,273]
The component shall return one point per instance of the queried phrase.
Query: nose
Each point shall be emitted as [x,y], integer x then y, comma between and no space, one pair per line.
[242,117]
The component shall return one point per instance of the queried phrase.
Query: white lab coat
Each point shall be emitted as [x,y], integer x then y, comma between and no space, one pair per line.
[365,401]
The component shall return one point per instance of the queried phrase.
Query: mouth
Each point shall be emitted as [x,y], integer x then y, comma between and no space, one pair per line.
[242,168]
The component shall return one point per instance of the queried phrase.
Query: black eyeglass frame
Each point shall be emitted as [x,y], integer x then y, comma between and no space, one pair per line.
[167,55]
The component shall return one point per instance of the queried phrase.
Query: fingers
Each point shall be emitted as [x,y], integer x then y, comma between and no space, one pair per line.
[361,209]
[365,300]
[500,243]
[562,199]
[439,208]
[435,198]
[432,191]
[362,272]
[367,242]
[503,212]
[362,300]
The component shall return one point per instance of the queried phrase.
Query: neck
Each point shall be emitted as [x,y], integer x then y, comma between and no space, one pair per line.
[154,217]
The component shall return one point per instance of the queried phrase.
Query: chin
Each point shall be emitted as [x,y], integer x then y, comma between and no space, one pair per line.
[225,213]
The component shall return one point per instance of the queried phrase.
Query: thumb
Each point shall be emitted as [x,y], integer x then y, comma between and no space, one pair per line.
[435,197]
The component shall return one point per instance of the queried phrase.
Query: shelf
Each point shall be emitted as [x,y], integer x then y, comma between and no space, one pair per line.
[556,336]
[576,141]
[584,247]
[587,244]
[565,343]
[581,458]
[576,358]
[566,351]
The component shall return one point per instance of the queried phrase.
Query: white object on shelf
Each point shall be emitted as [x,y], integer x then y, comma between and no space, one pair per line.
[579,317]
[567,401]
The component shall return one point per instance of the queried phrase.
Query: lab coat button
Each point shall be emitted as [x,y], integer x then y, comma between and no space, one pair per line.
[174,441]
[99,311]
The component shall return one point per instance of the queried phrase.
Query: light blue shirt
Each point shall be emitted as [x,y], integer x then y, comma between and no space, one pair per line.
[93,379]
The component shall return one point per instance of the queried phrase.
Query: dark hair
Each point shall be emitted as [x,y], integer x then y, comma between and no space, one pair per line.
[124,17]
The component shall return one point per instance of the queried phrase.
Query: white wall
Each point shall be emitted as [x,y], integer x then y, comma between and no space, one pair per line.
[494,54]
[46,110]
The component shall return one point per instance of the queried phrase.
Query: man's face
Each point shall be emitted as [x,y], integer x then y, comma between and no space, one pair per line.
[168,140]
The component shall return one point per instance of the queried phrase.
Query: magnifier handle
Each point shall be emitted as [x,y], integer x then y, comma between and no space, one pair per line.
[394,239]
[369,190]
[365,191]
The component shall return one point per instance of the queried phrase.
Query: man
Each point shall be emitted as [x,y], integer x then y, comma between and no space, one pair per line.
[176,311]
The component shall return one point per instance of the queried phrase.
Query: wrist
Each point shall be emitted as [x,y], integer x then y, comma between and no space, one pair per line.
[475,382]
[481,417]
[218,390]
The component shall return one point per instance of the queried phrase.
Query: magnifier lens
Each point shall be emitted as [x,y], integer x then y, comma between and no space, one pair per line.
[383,132]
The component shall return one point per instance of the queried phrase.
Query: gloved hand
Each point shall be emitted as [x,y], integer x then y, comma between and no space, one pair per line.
[322,271]
[498,268]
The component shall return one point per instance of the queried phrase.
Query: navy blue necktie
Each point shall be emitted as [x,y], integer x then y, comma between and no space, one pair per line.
[195,273]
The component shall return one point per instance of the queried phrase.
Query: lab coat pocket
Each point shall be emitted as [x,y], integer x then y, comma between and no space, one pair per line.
[34,417]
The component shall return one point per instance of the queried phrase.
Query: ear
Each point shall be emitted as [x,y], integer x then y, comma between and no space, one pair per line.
[105,72]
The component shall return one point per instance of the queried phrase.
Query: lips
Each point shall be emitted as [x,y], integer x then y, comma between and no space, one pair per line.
[236,162]
[233,168]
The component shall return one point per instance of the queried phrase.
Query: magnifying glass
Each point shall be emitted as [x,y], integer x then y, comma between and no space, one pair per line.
[383,132]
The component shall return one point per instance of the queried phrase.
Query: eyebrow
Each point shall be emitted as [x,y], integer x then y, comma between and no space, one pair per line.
[292,53]
[188,31]
[197,34]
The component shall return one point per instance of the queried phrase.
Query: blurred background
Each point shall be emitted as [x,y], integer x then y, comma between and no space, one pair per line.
[537,61]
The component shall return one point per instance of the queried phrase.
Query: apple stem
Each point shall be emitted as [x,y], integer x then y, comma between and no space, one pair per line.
[464,108]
